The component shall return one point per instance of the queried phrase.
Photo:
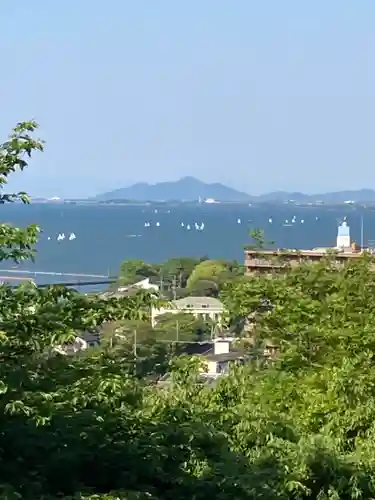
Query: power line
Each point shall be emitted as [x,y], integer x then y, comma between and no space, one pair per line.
[80,283]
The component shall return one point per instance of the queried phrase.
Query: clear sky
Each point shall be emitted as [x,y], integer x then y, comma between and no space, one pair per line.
[261,95]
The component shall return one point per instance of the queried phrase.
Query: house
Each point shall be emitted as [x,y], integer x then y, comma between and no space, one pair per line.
[144,284]
[220,357]
[201,307]
[129,290]
[217,360]
[79,344]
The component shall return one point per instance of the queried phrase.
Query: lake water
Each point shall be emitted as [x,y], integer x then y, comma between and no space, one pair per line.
[107,235]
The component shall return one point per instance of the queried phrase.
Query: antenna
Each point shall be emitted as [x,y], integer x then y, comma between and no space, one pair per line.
[361,231]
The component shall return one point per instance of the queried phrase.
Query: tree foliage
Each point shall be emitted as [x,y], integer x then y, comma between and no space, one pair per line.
[132,271]
[173,273]
[216,272]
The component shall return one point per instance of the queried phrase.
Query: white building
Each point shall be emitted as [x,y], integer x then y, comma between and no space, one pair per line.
[219,360]
[343,236]
[200,307]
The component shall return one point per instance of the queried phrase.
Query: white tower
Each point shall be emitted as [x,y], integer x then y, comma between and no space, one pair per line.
[343,236]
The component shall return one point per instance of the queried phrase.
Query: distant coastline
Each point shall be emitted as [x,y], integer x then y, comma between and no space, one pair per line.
[189,190]
[178,203]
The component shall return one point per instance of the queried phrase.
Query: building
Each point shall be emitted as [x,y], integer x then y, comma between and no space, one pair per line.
[129,290]
[143,284]
[216,361]
[220,357]
[268,260]
[201,307]
[79,344]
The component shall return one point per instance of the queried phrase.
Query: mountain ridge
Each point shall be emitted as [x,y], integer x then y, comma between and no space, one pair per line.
[191,189]
[184,189]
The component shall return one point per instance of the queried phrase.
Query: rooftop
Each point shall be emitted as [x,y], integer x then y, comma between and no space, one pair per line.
[198,303]
[118,294]
[226,356]
[315,252]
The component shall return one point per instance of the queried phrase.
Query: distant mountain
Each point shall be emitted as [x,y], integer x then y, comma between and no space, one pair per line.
[191,189]
[333,197]
[185,189]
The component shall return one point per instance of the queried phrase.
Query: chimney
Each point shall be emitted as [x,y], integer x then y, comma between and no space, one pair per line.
[221,346]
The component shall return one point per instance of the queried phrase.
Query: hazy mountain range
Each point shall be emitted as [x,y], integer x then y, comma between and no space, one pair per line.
[191,189]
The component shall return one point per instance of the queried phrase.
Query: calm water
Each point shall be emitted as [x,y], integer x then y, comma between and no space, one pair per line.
[107,235]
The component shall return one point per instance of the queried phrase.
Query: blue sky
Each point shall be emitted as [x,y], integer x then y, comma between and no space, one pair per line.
[260,95]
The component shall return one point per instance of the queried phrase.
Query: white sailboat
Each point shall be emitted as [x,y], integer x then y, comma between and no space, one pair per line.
[72,236]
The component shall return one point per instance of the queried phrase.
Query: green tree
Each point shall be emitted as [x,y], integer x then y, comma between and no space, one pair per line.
[132,271]
[183,327]
[34,380]
[178,269]
[17,244]
[258,240]
[209,276]
[204,288]
[207,270]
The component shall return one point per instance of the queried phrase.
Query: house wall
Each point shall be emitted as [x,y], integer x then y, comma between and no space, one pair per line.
[212,367]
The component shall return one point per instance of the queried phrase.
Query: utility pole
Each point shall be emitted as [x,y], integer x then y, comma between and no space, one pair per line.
[174,288]
[135,351]
[180,277]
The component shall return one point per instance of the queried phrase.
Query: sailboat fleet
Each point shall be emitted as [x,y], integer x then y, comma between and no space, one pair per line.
[200,226]
[61,237]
